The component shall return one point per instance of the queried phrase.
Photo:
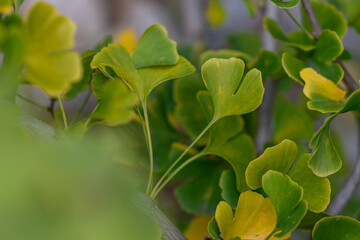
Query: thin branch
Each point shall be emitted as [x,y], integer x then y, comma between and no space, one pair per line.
[351,84]
[266,128]
[32,102]
[314,22]
[51,107]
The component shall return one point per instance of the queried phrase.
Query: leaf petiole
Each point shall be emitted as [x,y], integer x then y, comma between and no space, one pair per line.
[299,24]
[150,149]
[63,112]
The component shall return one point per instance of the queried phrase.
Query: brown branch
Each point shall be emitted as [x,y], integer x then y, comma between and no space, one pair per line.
[314,22]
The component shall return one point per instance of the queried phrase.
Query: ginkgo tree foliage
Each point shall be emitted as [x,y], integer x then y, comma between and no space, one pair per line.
[190,118]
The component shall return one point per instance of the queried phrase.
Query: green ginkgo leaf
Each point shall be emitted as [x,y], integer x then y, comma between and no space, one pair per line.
[215,13]
[116,104]
[232,95]
[285,3]
[155,48]
[227,141]
[324,159]
[316,189]
[295,39]
[328,46]
[278,158]
[142,80]
[223,54]
[337,227]
[188,110]
[293,66]
[286,195]
[17,3]
[329,18]
[267,62]
[228,186]
[49,62]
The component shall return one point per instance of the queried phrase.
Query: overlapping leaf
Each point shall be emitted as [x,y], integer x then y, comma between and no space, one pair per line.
[285,3]
[286,196]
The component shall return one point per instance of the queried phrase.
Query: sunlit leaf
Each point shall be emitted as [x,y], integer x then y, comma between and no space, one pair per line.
[49,62]
[143,80]
[338,227]
[278,158]
[286,196]
[255,217]
[197,228]
[316,189]
[155,48]
[231,94]
[324,95]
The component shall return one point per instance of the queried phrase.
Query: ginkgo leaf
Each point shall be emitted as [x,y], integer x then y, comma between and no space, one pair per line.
[49,62]
[197,228]
[316,189]
[337,227]
[116,104]
[232,95]
[324,95]
[285,3]
[155,48]
[224,54]
[278,158]
[128,38]
[286,195]
[255,217]
[267,62]
[142,80]
[5,7]
[328,46]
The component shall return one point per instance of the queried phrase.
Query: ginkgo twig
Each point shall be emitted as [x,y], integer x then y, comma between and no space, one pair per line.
[150,148]
[182,155]
[63,112]
[176,171]
[299,24]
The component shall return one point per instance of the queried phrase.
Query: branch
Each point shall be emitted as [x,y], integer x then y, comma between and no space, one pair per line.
[146,205]
[266,125]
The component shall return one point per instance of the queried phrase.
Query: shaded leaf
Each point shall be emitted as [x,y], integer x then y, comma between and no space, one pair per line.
[278,158]
[267,62]
[338,227]
[316,189]
[116,104]
[213,229]
[227,142]
[229,190]
[286,196]
[293,66]
[328,47]
[285,3]
[310,219]
[155,48]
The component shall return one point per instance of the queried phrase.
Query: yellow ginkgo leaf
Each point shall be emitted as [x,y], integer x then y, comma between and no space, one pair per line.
[197,228]
[324,95]
[215,13]
[255,218]
[128,38]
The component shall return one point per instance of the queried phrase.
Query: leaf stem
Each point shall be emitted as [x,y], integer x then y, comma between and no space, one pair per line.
[167,180]
[63,112]
[155,190]
[86,100]
[32,102]
[150,148]
[299,24]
